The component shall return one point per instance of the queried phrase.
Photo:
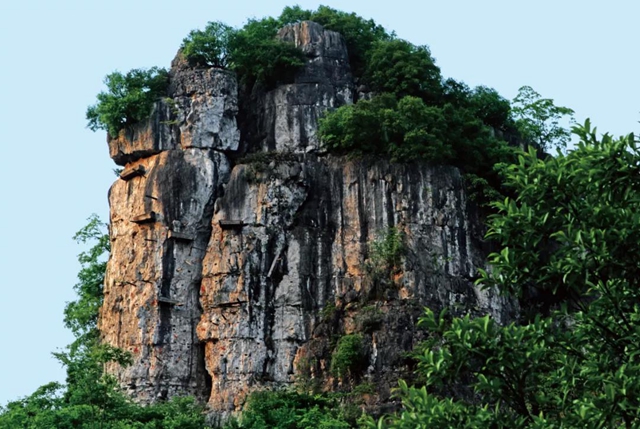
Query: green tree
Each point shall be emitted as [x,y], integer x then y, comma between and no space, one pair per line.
[574,227]
[401,68]
[209,47]
[81,315]
[490,107]
[539,119]
[294,14]
[129,99]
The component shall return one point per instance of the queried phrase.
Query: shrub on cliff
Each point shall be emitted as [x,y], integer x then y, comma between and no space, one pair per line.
[410,130]
[209,47]
[290,410]
[257,56]
[252,51]
[129,99]
[347,359]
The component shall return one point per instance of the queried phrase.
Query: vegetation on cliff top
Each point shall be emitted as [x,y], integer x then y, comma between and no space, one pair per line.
[409,111]
[129,99]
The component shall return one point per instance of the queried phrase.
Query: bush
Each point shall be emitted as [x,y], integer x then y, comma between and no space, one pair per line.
[258,57]
[129,99]
[348,357]
[290,410]
[401,68]
[403,131]
[210,46]
[387,251]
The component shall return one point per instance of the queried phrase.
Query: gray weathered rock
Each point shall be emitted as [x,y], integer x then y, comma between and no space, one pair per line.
[200,111]
[287,117]
[304,243]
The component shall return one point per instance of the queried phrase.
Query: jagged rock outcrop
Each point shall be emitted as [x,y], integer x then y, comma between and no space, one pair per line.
[160,224]
[232,274]
[286,118]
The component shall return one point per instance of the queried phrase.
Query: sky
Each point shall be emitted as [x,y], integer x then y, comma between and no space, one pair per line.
[56,172]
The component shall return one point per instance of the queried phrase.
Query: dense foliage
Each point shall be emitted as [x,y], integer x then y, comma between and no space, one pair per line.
[403,69]
[252,51]
[569,241]
[409,129]
[291,410]
[90,398]
[258,57]
[129,99]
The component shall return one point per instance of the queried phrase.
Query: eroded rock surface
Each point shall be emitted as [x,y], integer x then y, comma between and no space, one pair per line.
[286,118]
[291,241]
[233,274]
[160,225]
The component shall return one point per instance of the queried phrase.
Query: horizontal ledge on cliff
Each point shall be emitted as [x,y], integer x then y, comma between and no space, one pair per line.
[180,236]
[226,304]
[145,218]
[165,300]
[231,224]
[130,173]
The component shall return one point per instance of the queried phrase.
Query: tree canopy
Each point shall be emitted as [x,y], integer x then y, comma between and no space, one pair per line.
[129,99]
[539,119]
[209,47]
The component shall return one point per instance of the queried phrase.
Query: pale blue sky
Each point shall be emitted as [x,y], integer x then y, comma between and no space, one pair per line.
[56,173]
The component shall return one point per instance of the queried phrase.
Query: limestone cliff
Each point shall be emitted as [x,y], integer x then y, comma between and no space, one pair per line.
[239,257]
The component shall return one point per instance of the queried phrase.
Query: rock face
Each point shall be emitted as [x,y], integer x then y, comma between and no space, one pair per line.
[160,225]
[229,275]
[286,118]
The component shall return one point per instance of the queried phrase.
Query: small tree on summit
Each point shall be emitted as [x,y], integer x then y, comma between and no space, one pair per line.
[538,119]
[209,46]
[129,99]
